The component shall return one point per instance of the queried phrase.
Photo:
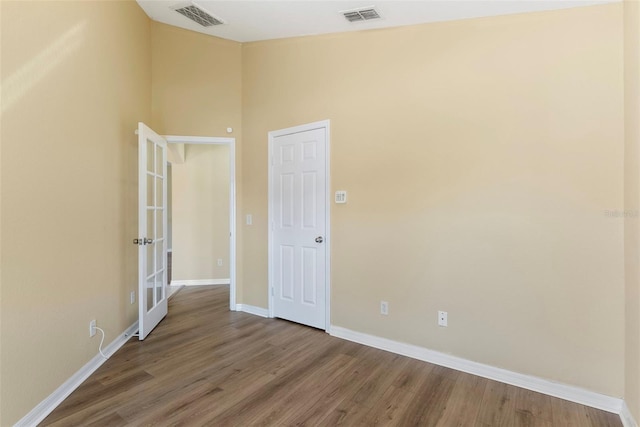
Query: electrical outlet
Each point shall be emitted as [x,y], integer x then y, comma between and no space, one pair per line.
[92,328]
[249,219]
[384,307]
[219,262]
[442,318]
[132,297]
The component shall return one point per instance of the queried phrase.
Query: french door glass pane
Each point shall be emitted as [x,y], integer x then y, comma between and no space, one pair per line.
[160,224]
[159,287]
[150,262]
[151,223]
[150,287]
[150,190]
[159,257]
[150,156]
[159,165]
[159,194]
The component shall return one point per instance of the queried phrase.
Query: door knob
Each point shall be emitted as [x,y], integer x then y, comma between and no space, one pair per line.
[319,239]
[147,241]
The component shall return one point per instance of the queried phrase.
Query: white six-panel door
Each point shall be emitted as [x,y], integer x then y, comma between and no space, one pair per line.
[152,229]
[298,244]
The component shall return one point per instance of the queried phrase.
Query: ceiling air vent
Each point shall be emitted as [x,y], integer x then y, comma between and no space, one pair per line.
[199,16]
[364,14]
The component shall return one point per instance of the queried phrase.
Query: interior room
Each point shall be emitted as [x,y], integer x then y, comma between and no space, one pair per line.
[488,161]
[200,216]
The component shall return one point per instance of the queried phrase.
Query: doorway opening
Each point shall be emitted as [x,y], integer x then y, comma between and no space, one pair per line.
[177,146]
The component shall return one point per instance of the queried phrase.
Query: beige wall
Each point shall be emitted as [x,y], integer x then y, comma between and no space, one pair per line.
[196,91]
[76,79]
[201,213]
[196,83]
[480,157]
[632,203]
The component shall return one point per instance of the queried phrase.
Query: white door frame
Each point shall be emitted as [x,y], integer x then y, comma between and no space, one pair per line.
[231,142]
[324,124]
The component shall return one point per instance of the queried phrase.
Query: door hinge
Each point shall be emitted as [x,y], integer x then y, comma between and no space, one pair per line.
[272,292]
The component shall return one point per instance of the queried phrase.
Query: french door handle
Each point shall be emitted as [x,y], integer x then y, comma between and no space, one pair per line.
[141,242]
[319,239]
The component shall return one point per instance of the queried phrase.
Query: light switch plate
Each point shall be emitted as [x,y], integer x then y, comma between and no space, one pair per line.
[341,196]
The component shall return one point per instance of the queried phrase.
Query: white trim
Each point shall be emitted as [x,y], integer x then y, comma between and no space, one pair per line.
[252,309]
[44,408]
[626,417]
[200,282]
[563,391]
[326,125]
[232,224]
[172,291]
[327,215]
[176,139]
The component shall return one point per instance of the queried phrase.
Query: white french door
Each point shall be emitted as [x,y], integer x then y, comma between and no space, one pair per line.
[152,229]
[298,216]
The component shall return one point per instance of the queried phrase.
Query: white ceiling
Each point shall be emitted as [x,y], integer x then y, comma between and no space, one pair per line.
[247,20]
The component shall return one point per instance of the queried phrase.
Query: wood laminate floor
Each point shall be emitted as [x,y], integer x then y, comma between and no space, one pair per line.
[205,365]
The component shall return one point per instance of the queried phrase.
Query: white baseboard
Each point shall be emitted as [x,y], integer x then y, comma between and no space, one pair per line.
[200,282]
[563,391]
[626,417]
[44,408]
[172,290]
[252,309]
